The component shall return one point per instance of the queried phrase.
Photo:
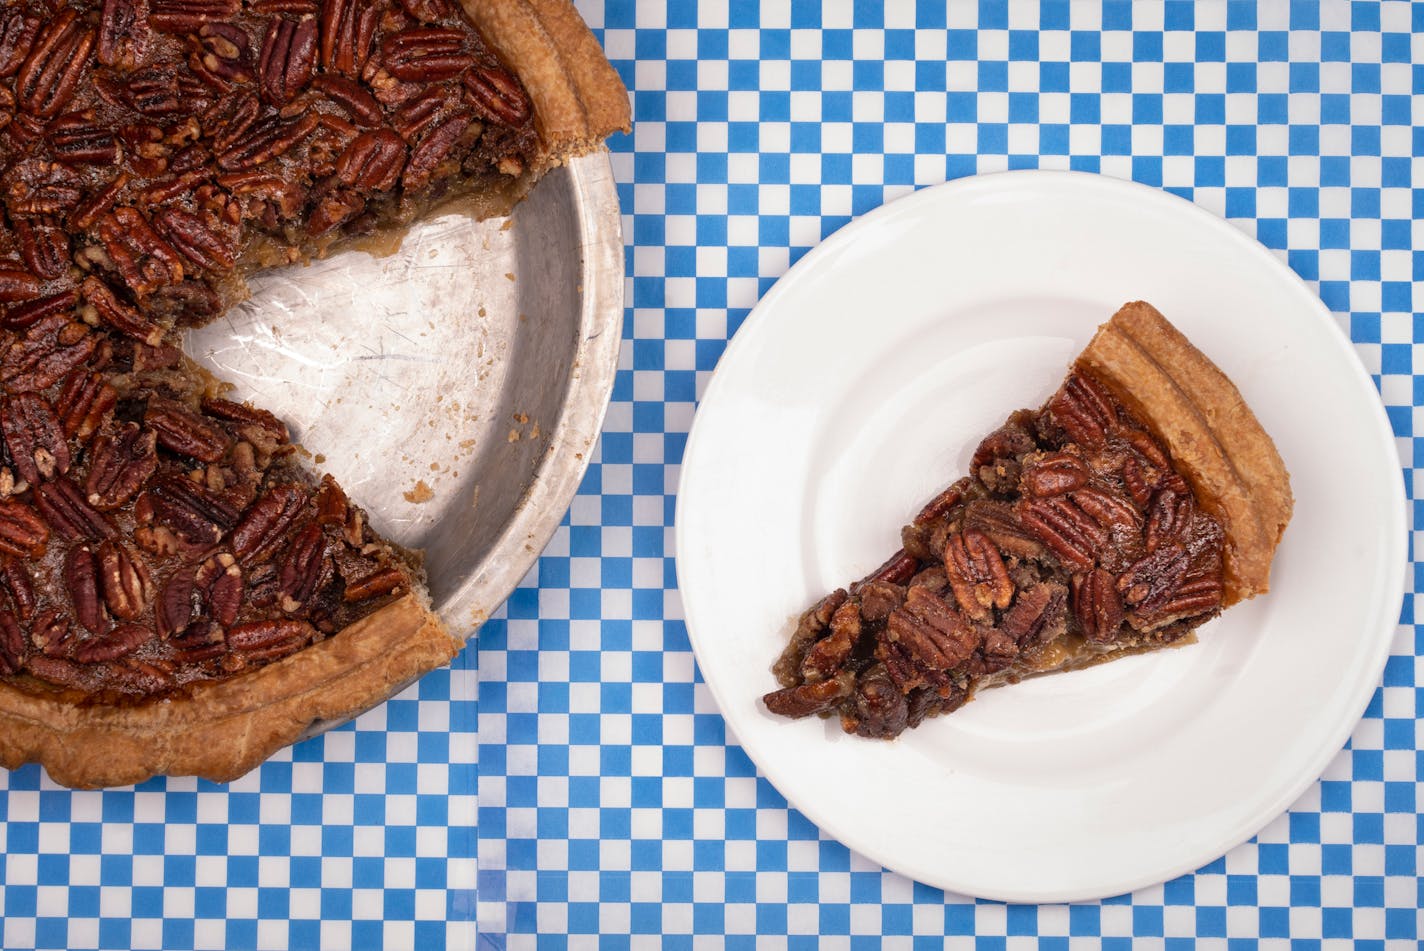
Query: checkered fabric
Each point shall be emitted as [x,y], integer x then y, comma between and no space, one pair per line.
[613,808]
[360,838]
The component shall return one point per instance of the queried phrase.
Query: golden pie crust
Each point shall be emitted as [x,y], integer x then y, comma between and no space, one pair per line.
[1214,438]
[224,728]
[221,729]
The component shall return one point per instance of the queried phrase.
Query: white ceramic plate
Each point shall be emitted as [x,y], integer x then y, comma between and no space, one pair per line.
[861,384]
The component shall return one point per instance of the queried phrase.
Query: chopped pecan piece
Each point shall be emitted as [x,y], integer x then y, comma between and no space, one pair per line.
[830,653]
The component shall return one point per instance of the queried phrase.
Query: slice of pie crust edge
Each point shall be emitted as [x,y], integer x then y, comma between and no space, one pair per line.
[1213,437]
[935,660]
[222,729]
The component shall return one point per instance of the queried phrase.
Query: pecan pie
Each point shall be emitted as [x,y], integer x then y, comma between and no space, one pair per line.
[1137,503]
[178,592]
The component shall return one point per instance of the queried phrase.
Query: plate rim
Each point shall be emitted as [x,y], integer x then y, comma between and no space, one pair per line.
[1396,555]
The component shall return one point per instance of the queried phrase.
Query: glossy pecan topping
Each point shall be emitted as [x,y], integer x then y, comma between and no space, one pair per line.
[1074,534]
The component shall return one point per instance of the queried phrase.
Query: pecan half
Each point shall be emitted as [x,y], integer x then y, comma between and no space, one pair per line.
[977,574]
[288,58]
[44,246]
[1037,615]
[81,580]
[372,162]
[17,583]
[266,524]
[142,258]
[1169,519]
[23,316]
[52,633]
[426,54]
[1084,410]
[32,435]
[13,646]
[1097,606]
[1001,523]
[84,404]
[221,56]
[123,460]
[202,244]
[426,157]
[40,187]
[263,640]
[98,203]
[331,504]
[22,532]
[67,511]
[188,16]
[79,140]
[51,73]
[219,581]
[175,607]
[359,104]
[255,425]
[1152,581]
[306,568]
[125,319]
[497,96]
[118,641]
[381,582]
[184,432]
[128,586]
[265,140]
[198,642]
[830,653]
[931,631]
[1064,528]
[1200,592]
[122,32]
[1108,509]
[347,29]
[17,36]
[808,699]
[1057,473]
[897,569]
[194,513]
[941,504]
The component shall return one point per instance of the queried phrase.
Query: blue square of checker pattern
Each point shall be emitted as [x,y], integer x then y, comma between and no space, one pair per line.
[363,837]
[615,811]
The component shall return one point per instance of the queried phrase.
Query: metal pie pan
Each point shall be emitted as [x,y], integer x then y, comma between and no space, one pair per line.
[454,386]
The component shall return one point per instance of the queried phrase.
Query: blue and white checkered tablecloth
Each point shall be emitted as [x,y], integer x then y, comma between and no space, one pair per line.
[611,806]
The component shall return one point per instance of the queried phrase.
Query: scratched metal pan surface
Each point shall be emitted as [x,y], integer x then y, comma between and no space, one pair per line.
[456,386]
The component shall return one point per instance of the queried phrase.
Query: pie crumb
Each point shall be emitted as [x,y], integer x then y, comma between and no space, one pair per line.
[419,493]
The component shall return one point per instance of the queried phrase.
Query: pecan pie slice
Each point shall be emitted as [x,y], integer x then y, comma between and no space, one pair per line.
[178,592]
[1137,503]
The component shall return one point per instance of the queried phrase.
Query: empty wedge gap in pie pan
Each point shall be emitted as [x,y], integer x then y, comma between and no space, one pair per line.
[455,385]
